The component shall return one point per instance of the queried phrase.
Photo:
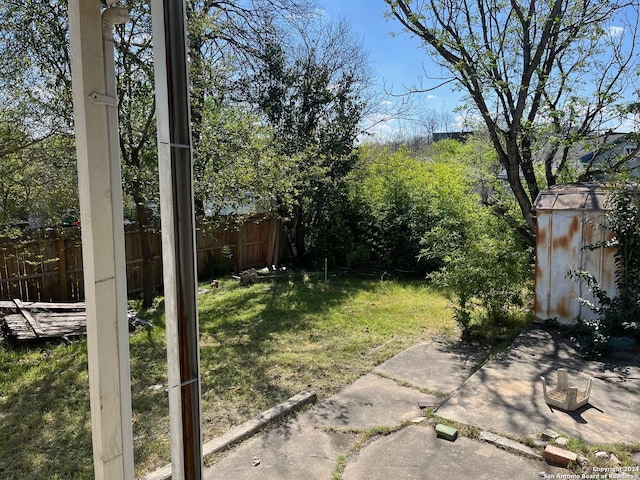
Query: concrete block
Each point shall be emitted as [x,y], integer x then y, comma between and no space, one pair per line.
[559,456]
[448,433]
[488,437]
[427,402]
[508,444]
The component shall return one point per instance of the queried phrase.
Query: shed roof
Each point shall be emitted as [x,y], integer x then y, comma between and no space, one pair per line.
[573,197]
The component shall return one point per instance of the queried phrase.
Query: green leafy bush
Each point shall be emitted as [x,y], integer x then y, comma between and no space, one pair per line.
[397,197]
[424,213]
[488,272]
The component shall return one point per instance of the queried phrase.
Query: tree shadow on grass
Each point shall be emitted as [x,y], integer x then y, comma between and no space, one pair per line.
[231,337]
[284,321]
[45,415]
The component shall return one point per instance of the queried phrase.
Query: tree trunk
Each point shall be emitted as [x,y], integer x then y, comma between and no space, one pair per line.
[512,166]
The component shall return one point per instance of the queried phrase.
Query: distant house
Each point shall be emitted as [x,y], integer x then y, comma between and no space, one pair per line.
[593,159]
[460,136]
[612,152]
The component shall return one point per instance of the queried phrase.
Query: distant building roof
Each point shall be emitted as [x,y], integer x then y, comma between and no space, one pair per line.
[460,136]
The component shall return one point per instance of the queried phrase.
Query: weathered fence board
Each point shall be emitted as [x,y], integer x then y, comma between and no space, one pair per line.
[49,269]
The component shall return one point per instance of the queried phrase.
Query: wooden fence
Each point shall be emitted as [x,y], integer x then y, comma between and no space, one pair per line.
[49,268]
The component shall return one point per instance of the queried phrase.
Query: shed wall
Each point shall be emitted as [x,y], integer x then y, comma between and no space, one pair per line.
[562,237]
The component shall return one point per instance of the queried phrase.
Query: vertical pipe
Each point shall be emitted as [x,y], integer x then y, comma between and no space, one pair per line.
[178,235]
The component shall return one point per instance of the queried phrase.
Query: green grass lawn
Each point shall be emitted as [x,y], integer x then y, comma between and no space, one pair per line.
[260,345]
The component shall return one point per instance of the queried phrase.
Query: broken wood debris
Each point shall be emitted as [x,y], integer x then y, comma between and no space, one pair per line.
[41,320]
[254,275]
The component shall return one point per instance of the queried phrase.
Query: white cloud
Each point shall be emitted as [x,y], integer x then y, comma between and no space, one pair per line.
[379,128]
[616,32]
[627,124]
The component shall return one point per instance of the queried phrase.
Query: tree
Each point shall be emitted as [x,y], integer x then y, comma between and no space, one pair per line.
[311,88]
[36,145]
[219,32]
[35,173]
[35,37]
[560,65]
[242,171]
[35,62]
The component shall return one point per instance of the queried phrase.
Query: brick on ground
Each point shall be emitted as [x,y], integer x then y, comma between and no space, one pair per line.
[559,456]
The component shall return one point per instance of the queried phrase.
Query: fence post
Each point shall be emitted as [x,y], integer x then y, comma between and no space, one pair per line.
[62,266]
[239,247]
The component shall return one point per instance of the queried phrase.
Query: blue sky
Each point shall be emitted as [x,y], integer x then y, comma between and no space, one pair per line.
[400,60]
[397,59]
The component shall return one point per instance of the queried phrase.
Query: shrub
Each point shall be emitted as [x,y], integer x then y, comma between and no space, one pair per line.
[424,215]
[397,197]
[489,274]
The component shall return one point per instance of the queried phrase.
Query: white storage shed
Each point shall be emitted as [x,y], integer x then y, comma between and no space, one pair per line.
[569,219]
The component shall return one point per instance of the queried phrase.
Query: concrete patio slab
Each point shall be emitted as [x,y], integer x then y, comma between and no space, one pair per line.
[438,367]
[286,452]
[371,401]
[505,396]
[415,453]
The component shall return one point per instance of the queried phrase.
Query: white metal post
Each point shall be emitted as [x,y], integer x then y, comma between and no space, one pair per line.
[99,180]
[178,235]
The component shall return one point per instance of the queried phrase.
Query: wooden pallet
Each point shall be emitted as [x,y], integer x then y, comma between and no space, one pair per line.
[41,320]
